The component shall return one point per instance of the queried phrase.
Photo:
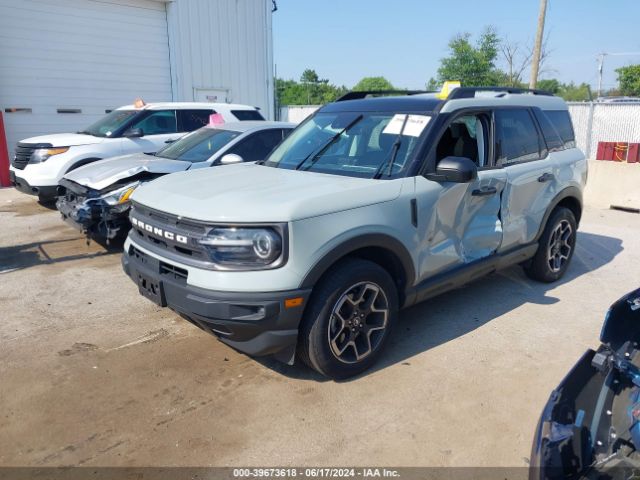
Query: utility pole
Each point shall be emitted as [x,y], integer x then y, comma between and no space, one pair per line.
[535,62]
[600,65]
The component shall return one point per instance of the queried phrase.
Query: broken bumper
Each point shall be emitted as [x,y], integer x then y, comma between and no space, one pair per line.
[94,217]
[254,323]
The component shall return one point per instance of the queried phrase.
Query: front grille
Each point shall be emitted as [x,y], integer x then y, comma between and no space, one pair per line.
[158,223]
[23,155]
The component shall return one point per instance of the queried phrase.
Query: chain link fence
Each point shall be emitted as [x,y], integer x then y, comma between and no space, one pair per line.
[604,122]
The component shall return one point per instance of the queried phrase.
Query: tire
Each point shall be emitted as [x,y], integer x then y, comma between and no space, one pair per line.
[330,315]
[555,247]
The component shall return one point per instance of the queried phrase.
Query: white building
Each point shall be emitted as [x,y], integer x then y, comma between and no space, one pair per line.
[64,63]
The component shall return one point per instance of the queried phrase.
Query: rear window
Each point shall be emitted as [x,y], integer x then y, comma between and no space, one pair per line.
[562,121]
[517,137]
[551,135]
[243,115]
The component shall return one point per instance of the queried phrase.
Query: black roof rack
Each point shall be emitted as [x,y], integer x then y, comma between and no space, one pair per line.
[378,93]
[470,92]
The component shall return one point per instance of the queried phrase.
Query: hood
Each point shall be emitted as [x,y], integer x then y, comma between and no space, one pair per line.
[65,139]
[99,175]
[248,192]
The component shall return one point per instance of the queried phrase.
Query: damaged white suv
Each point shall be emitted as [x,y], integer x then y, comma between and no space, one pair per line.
[369,206]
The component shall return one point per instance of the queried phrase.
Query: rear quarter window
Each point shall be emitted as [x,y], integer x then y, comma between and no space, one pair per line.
[243,115]
[562,122]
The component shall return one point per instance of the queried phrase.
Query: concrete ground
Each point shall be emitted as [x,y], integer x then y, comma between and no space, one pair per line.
[93,374]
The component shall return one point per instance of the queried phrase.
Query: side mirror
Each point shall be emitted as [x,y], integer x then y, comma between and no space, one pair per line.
[456,169]
[133,133]
[231,158]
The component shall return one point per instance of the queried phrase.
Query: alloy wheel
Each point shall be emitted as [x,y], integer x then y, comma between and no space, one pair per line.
[358,322]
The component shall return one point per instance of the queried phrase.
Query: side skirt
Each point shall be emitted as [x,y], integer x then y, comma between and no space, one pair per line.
[463,274]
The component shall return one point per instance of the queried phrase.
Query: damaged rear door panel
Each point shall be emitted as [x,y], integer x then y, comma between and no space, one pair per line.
[590,427]
[531,173]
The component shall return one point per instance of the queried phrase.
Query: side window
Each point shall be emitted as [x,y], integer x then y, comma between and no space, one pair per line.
[551,135]
[466,136]
[562,121]
[190,120]
[158,122]
[257,145]
[243,115]
[517,138]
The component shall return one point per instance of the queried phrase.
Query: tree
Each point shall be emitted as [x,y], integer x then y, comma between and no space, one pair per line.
[517,59]
[311,90]
[373,84]
[310,76]
[550,85]
[473,66]
[575,93]
[629,80]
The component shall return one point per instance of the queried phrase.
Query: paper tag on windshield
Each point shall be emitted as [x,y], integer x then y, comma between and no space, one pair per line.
[395,124]
[414,127]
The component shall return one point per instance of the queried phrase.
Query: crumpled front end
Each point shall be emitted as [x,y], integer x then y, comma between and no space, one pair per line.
[87,210]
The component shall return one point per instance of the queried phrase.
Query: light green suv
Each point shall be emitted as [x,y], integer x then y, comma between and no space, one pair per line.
[371,205]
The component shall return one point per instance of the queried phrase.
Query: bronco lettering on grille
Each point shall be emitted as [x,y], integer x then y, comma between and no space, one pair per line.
[158,232]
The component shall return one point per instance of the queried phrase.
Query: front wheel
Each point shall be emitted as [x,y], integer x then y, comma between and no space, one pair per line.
[348,319]
[556,247]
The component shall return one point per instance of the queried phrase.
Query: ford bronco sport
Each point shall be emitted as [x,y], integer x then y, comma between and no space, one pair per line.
[369,206]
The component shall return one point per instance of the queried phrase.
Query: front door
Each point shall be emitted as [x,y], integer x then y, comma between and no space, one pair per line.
[464,221]
[159,128]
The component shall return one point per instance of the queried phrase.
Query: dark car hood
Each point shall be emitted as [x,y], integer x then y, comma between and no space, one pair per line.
[590,427]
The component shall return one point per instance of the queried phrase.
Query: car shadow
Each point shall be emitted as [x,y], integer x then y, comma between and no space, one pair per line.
[20,257]
[456,313]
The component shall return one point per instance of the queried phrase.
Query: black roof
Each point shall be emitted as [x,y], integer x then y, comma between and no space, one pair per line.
[409,103]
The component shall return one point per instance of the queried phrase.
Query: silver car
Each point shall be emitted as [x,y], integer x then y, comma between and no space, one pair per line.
[95,198]
[369,206]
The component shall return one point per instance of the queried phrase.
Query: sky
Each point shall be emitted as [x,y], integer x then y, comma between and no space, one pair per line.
[404,40]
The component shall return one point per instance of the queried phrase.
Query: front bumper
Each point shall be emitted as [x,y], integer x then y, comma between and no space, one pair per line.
[47,192]
[255,323]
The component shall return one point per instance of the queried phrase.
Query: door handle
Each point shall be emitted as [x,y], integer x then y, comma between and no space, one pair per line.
[484,191]
[546,177]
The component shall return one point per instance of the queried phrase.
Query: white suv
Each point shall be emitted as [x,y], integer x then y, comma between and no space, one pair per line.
[369,206]
[40,162]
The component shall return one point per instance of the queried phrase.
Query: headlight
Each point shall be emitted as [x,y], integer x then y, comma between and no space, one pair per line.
[121,195]
[245,247]
[41,154]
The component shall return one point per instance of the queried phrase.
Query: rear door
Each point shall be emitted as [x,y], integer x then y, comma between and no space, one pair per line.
[465,218]
[531,174]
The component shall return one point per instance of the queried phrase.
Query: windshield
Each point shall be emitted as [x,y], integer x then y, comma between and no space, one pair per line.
[349,143]
[198,146]
[109,124]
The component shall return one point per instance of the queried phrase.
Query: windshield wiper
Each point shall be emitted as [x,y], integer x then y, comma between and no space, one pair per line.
[315,155]
[391,159]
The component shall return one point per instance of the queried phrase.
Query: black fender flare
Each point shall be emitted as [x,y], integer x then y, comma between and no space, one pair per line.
[569,192]
[378,240]
[81,163]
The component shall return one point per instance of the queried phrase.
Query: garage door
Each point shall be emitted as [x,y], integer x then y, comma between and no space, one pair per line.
[63,63]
